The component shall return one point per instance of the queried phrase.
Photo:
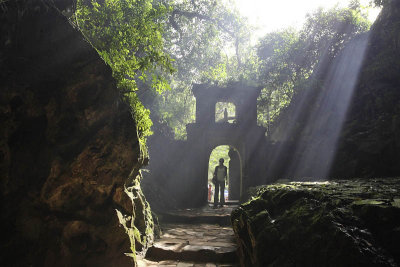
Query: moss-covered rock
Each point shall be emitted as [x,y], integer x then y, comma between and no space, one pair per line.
[337,223]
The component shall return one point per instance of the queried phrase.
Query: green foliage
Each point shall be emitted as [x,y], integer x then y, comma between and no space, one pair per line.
[220,110]
[210,45]
[215,74]
[197,34]
[290,59]
[207,42]
[380,3]
[176,107]
[140,114]
[128,36]
[279,68]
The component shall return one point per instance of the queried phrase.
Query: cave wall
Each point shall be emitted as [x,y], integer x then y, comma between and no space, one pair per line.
[163,183]
[68,144]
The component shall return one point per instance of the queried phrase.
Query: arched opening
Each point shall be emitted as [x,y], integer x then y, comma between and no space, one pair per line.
[232,161]
[225,112]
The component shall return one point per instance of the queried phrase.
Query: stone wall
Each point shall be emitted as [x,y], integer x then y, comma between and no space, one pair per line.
[68,144]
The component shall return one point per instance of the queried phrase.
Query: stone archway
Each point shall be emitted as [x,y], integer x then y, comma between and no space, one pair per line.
[234,165]
[206,134]
[235,175]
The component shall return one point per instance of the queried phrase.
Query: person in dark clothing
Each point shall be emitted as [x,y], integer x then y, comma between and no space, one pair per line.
[219,178]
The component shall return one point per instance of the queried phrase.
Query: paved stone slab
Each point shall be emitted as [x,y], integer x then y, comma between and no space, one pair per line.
[171,263]
[196,243]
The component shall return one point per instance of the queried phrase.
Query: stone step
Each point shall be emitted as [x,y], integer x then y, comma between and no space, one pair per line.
[194,243]
[206,215]
[222,220]
[173,263]
[227,203]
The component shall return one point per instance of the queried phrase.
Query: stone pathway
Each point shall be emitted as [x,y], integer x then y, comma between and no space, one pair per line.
[194,237]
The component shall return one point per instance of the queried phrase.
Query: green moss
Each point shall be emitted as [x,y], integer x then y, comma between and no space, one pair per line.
[396,202]
[368,202]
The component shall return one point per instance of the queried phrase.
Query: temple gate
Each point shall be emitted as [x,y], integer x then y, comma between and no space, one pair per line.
[243,134]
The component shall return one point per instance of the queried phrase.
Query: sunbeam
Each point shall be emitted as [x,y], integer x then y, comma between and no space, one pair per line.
[267,16]
[317,147]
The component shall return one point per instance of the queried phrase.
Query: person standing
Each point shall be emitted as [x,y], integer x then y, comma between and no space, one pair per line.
[219,178]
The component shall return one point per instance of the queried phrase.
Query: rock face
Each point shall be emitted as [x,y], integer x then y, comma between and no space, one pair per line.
[68,145]
[337,223]
[370,142]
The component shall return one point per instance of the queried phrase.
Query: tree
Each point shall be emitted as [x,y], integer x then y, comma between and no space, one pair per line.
[380,3]
[279,71]
[128,36]
[292,60]
[197,35]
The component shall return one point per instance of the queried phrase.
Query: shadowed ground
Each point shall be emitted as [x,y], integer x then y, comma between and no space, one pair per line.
[194,237]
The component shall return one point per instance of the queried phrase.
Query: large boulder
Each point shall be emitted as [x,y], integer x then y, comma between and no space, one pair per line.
[337,223]
[69,151]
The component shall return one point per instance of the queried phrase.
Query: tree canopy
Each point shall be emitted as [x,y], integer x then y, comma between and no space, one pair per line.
[290,60]
[158,48]
[146,40]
